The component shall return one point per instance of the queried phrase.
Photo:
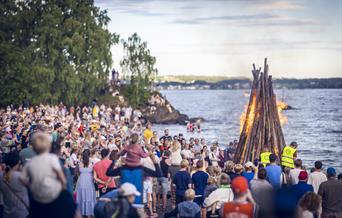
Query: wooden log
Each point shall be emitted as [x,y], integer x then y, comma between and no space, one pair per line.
[240,152]
[265,128]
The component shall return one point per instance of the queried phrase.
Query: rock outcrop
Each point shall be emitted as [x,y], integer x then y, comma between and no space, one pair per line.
[162,115]
[162,112]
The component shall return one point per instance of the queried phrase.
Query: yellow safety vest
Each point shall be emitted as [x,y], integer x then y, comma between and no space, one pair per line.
[287,157]
[265,158]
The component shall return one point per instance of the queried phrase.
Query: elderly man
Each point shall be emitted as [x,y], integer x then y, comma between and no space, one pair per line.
[331,193]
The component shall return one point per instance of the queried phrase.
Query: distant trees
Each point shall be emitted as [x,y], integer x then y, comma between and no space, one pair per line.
[138,66]
[52,51]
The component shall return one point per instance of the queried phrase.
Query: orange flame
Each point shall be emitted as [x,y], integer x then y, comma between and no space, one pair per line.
[250,118]
[280,106]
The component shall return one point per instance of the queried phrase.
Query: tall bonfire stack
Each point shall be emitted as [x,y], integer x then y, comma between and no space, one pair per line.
[261,126]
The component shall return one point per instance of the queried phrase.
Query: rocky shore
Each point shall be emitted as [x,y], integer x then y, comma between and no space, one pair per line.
[165,113]
[158,110]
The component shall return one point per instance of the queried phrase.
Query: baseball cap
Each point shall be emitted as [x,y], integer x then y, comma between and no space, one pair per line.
[129,189]
[303,175]
[239,184]
[331,171]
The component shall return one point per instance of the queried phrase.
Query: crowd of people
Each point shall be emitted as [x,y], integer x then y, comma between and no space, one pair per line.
[98,161]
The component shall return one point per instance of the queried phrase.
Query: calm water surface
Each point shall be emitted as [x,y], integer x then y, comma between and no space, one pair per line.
[316,124]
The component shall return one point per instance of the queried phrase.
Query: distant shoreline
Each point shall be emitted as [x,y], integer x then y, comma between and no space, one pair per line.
[244,83]
[247,89]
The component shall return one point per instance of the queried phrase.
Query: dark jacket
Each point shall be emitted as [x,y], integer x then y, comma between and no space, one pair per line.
[300,189]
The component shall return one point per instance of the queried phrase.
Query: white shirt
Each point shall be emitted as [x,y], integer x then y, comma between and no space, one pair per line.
[294,173]
[213,159]
[220,195]
[176,157]
[40,171]
[148,163]
[315,179]
[307,214]
[94,160]
[186,153]
[73,160]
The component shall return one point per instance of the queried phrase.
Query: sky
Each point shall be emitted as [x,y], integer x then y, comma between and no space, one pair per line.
[301,39]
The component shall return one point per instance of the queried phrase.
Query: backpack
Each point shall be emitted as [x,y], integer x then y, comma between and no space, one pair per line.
[117,208]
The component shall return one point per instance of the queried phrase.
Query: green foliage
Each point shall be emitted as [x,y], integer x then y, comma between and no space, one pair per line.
[108,99]
[139,69]
[52,51]
[136,95]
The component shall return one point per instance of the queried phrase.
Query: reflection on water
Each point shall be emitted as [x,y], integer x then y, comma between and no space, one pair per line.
[316,124]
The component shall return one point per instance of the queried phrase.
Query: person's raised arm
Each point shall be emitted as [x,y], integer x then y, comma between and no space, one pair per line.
[111,171]
[256,169]
[143,154]
[122,152]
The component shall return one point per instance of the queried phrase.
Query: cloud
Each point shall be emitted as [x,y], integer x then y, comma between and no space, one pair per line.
[202,20]
[142,12]
[282,22]
[263,19]
[279,5]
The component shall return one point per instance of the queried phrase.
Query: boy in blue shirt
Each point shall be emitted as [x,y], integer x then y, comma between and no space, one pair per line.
[274,172]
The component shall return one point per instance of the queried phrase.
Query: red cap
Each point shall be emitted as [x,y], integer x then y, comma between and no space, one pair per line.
[240,184]
[303,175]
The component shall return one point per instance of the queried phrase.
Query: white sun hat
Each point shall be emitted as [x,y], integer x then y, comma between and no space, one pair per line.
[129,189]
[249,164]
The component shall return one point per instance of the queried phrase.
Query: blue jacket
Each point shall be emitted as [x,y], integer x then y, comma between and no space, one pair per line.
[300,189]
[186,209]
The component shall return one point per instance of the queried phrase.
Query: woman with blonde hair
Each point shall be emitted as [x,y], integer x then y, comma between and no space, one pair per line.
[175,158]
[229,168]
[238,169]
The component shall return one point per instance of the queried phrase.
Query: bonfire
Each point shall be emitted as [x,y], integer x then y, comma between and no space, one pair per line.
[262,120]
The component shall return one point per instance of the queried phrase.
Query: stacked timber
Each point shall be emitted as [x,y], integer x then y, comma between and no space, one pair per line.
[261,128]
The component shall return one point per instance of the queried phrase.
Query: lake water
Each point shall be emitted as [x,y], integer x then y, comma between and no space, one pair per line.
[316,124]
